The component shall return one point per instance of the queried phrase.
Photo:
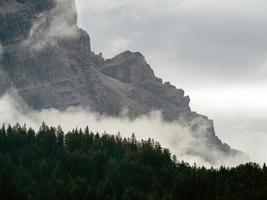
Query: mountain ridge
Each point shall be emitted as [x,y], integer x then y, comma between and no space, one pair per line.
[48,59]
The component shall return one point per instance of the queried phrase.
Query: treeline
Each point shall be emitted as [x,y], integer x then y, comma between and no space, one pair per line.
[82,165]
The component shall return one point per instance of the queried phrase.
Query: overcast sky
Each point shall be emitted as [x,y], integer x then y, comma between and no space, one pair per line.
[215,50]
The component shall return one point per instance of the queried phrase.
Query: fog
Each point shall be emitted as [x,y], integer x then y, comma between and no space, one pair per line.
[239,114]
[176,135]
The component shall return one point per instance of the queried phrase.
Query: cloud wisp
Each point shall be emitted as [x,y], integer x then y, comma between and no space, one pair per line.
[53,25]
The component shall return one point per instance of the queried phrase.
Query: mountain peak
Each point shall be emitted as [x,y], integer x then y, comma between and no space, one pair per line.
[129,53]
[48,60]
[128,67]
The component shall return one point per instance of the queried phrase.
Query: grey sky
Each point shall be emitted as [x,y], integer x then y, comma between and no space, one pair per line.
[215,50]
[209,37]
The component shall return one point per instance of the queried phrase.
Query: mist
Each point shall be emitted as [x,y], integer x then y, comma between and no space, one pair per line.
[239,115]
[173,135]
[51,26]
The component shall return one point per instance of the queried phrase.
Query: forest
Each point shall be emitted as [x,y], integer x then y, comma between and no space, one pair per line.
[80,164]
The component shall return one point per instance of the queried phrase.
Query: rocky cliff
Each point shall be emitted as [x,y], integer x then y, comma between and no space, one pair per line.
[48,60]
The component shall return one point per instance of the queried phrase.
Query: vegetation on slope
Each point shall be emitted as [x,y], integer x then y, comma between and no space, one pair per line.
[83,165]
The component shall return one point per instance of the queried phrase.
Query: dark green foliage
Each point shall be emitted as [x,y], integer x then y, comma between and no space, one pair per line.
[83,165]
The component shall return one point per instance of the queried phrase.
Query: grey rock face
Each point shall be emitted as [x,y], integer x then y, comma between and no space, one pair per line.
[143,87]
[128,67]
[54,67]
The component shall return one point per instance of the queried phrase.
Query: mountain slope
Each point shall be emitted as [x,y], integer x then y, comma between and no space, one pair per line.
[48,60]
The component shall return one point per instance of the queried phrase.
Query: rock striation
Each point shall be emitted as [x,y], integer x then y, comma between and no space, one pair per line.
[47,58]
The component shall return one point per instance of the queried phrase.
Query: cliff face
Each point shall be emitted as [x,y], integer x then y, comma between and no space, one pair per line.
[47,57]
[49,61]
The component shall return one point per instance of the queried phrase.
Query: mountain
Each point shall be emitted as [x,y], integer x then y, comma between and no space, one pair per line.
[47,58]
